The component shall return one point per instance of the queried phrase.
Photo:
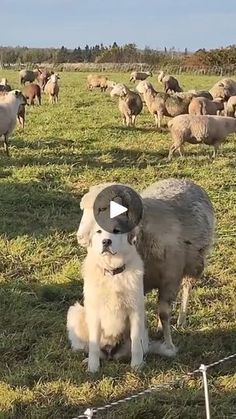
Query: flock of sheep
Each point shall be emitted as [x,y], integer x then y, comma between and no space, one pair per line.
[198,116]
[12,102]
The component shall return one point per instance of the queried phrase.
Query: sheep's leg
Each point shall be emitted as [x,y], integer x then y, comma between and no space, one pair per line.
[216,148]
[160,116]
[133,119]
[123,120]
[173,148]
[181,150]
[186,289]
[167,348]
[6,145]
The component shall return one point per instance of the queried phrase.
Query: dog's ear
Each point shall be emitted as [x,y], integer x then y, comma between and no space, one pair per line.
[132,235]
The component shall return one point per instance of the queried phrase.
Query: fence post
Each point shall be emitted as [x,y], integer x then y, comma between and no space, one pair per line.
[203,370]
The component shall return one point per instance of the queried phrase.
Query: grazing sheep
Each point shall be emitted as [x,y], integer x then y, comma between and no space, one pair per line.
[32,91]
[170,83]
[207,129]
[140,75]
[224,89]
[162,104]
[52,88]
[174,239]
[29,75]
[8,113]
[4,86]
[94,80]
[204,106]
[130,103]
[231,106]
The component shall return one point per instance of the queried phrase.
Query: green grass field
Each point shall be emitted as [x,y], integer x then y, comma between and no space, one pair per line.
[62,151]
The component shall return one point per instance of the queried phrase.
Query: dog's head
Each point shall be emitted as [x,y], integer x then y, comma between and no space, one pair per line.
[112,249]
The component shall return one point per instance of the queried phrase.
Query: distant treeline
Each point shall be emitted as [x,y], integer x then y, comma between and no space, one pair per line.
[128,53]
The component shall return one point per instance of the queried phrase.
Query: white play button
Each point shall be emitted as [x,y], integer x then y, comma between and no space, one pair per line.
[116,209]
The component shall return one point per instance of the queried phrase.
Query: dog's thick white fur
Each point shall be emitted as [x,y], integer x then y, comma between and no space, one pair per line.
[113,303]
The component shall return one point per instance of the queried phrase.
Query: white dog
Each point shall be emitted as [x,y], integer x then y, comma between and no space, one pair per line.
[113,309]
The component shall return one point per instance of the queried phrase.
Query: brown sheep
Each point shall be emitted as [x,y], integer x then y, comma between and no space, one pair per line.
[32,91]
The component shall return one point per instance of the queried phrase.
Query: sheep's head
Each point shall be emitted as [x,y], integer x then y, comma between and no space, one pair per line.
[54,77]
[143,86]
[119,90]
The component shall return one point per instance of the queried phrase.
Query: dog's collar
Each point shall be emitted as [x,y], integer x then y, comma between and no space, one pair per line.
[115,271]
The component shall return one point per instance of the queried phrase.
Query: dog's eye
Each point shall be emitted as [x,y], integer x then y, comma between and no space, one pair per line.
[99,231]
[116,231]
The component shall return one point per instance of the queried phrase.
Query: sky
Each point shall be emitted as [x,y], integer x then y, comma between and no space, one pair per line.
[192,24]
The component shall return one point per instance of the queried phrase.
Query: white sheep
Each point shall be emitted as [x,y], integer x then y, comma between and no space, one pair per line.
[140,75]
[130,103]
[207,129]
[52,88]
[8,114]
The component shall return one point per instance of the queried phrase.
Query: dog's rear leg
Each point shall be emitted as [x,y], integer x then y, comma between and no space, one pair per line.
[187,286]
[77,328]
[124,351]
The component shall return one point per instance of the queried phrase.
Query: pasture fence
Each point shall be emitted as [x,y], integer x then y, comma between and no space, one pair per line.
[91,412]
[171,68]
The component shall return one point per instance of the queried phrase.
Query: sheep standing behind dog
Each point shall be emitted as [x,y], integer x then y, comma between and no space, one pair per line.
[130,103]
[140,75]
[207,129]
[174,238]
[52,88]
[9,108]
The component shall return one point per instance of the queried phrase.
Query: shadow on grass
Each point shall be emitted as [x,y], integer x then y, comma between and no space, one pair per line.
[108,159]
[37,208]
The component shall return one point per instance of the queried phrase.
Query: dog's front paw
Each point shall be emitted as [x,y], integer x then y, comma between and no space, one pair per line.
[93,365]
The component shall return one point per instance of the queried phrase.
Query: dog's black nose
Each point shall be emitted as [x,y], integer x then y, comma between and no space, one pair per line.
[106,242]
